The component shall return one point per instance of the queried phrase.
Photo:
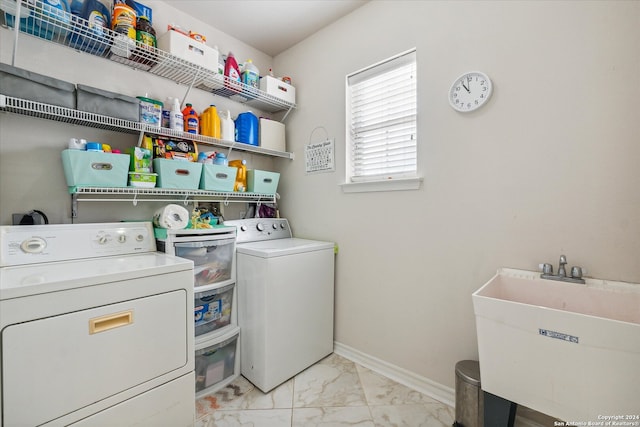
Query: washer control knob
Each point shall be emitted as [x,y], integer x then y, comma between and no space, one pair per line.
[260,227]
[243,228]
[34,245]
[282,225]
[140,237]
[122,238]
[275,226]
[102,238]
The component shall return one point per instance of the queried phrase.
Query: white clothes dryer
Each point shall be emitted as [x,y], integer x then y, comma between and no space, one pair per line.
[96,328]
[285,300]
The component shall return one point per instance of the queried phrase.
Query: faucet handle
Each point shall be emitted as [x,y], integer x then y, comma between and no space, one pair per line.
[546,268]
[576,272]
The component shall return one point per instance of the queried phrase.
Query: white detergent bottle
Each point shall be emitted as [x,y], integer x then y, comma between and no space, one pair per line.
[250,74]
[227,127]
[176,120]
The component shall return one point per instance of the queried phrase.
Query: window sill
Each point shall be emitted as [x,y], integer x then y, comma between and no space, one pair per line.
[399,184]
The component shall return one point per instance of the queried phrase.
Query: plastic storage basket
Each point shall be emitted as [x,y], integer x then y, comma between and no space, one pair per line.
[212,259]
[212,309]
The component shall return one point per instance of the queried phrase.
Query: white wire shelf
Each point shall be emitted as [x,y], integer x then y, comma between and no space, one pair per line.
[68,115]
[77,33]
[137,194]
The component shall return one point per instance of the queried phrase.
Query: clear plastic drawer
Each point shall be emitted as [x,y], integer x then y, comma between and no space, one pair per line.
[212,259]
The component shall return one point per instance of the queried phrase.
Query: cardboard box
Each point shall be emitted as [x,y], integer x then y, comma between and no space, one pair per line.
[185,47]
[278,88]
[272,135]
[95,168]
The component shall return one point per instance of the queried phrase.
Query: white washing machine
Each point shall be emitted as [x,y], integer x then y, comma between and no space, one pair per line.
[285,300]
[96,328]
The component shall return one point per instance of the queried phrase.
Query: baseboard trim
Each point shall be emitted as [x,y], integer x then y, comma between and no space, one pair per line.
[435,390]
[407,378]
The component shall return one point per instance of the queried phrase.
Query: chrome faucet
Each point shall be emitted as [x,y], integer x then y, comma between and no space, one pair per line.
[576,272]
[561,270]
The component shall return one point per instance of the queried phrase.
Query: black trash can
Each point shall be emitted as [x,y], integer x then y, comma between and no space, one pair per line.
[469,395]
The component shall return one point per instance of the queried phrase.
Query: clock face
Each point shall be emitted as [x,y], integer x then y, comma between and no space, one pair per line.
[470,91]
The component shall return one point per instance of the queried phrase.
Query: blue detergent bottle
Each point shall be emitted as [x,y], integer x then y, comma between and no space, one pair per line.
[52,20]
[88,34]
[247,128]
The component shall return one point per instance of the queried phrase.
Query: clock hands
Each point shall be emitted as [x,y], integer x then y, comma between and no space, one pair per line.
[465,88]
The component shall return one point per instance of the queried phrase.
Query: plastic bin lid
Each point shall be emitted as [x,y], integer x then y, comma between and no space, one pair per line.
[469,371]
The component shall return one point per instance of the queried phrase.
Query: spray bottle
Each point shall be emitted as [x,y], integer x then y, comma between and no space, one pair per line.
[176,119]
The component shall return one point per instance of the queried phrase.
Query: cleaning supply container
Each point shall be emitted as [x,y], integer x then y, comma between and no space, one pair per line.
[49,20]
[150,111]
[247,128]
[251,75]
[241,176]
[233,80]
[123,23]
[227,127]
[92,36]
[176,118]
[191,121]
[210,122]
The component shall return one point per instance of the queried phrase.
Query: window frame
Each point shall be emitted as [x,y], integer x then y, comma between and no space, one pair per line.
[400,181]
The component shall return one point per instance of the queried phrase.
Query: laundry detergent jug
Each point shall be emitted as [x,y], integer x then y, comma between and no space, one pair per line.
[247,128]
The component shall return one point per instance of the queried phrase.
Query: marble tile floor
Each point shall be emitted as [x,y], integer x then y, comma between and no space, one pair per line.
[334,392]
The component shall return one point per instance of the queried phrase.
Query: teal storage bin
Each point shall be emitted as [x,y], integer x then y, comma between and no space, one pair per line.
[95,168]
[217,177]
[262,181]
[178,174]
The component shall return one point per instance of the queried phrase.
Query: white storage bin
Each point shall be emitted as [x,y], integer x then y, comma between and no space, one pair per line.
[272,135]
[191,50]
[278,88]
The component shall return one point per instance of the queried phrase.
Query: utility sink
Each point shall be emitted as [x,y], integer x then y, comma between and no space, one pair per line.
[571,351]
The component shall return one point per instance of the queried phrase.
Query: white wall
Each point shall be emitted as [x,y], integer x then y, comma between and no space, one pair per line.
[548,167]
[31,175]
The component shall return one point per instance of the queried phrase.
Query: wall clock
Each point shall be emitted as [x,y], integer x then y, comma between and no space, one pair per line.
[470,91]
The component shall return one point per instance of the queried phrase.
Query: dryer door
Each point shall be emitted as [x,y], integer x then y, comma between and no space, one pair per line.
[56,365]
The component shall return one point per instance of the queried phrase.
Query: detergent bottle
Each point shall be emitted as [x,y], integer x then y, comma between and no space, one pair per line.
[191,121]
[251,74]
[241,175]
[97,13]
[210,122]
[227,127]
[232,72]
[247,128]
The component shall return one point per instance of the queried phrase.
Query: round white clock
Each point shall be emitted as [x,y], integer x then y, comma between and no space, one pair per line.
[470,91]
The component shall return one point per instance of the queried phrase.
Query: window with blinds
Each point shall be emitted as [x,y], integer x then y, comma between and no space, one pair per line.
[381,120]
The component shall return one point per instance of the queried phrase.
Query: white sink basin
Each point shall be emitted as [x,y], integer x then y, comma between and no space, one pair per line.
[571,351]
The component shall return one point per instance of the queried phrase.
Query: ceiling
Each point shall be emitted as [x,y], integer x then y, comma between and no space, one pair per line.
[271,26]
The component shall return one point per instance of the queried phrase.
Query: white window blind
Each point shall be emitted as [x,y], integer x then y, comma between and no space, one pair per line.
[381,117]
